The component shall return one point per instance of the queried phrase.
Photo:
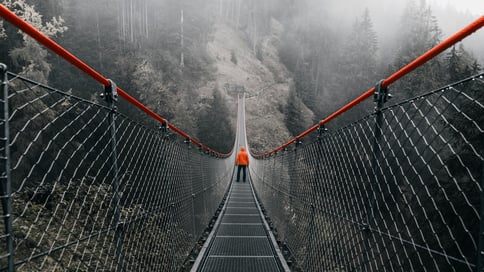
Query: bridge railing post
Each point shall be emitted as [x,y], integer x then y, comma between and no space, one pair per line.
[111,97]
[380,97]
[309,248]
[272,180]
[204,186]
[289,196]
[190,178]
[6,182]
[173,248]
[480,252]
[310,258]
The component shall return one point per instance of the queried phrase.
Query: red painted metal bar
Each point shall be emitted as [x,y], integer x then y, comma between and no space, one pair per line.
[16,21]
[468,30]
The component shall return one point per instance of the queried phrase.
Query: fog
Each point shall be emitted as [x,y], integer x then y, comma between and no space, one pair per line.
[387,15]
[475,7]
[333,50]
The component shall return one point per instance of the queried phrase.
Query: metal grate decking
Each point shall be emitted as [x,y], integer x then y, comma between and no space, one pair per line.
[240,240]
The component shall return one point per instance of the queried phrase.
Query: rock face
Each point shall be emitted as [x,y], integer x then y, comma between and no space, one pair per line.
[263,78]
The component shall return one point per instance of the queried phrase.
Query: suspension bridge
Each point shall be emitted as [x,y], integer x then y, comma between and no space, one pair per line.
[86,188]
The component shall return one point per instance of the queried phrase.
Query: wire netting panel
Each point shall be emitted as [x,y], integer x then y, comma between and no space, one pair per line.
[94,190]
[400,194]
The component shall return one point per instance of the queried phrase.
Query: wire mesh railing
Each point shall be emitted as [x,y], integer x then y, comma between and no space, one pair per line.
[399,190]
[90,189]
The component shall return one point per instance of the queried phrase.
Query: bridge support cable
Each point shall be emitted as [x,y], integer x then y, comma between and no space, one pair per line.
[91,189]
[241,239]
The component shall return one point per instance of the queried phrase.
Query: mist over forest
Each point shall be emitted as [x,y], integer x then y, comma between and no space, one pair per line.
[297,61]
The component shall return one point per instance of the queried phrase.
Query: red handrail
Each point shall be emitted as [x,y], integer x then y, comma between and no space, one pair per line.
[468,30]
[30,30]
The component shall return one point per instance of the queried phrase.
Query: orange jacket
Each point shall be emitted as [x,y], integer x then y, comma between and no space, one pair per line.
[242,157]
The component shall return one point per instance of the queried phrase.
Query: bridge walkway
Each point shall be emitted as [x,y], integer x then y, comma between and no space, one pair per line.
[241,239]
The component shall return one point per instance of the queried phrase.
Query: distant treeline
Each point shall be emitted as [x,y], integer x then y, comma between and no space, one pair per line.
[158,51]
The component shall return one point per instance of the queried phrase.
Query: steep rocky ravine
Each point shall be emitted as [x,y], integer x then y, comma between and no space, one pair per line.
[263,78]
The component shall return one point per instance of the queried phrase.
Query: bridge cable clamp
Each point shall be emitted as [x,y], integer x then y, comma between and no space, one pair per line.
[381,95]
[3,71]
[321,131]
[164,127]
[110,95]
[297,142]
[365,228]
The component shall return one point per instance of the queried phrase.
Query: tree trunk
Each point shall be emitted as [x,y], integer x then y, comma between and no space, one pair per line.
[316,81]
[98,39]
[123,24]
[182,61]
[220,8]
[254,33]
[131,33]
[146,21]
[237,20]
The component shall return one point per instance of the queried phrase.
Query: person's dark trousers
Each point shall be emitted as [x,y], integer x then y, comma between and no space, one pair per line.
[243,167]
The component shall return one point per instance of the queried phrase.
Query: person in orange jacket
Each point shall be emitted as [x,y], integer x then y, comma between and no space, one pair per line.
[242,161]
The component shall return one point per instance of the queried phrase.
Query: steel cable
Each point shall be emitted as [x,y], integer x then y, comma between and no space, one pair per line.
[63,195]
[409,203]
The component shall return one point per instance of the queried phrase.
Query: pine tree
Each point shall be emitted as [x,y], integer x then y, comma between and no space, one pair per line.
[293,116]
[27,55]
[419,32]
[358,62]
[453,65]
[459,64]
[154,92]
[214,127]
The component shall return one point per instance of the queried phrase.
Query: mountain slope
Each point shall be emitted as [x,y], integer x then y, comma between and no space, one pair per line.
[262,77]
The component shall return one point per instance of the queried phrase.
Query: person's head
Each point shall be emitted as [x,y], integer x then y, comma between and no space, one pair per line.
[242,148]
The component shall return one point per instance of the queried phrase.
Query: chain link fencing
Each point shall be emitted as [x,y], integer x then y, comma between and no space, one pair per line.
[86,188]
[399,190]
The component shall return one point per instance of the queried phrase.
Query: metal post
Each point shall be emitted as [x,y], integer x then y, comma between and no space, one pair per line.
[480,252]
[6,186]
[322,130]
[204,192]
[380,97]
[309,248]
[172,236]
[262,180]
[171,209]
[288,215]
[111,97]
[190,178]
[320,167]
[272,179]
